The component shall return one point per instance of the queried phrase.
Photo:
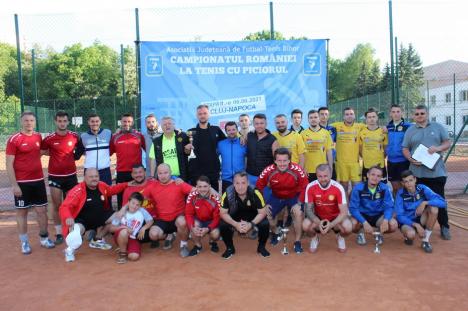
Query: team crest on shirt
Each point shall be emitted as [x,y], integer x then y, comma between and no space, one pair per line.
[70,143]
[331,197]
[418,196]
[377,195]
[179,139]
[248,203]
[37,143]
[400,128]
[102,198]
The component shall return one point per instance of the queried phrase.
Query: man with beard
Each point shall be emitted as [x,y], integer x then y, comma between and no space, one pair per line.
[205,142]
[290,140]
[152,131]
[318,145]
[127,144]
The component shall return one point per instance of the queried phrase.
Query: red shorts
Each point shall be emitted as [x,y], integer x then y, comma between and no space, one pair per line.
[133,245]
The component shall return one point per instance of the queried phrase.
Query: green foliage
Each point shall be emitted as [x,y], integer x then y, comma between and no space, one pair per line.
[263,35]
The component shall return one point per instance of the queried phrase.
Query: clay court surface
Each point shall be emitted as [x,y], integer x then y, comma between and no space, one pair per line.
[400,278]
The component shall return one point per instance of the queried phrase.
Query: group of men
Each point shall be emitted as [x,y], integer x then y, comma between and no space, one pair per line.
[266,181]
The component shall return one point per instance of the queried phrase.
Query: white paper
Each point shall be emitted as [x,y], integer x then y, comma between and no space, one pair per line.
[422,155]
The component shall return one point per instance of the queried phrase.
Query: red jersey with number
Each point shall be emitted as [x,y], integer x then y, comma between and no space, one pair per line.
[144,190]
[27,152]
[203,209]
[284,185]
[128,148]
[325,200]
[61,153]
[169,199]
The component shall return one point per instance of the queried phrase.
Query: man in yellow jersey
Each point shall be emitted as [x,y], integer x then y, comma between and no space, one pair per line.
[290,140]
[318,145]
[347,149]
[372,143]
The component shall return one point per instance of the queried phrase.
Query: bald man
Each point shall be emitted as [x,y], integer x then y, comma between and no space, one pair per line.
[87,205]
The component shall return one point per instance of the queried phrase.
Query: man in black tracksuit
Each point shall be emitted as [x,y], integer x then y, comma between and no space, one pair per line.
[205,141]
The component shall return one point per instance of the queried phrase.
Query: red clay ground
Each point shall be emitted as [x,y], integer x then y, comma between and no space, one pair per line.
[400,278]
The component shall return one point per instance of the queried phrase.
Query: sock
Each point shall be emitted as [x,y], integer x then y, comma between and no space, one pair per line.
[183,243]
[58,229]
[23,237]
[427,235]
[44,235]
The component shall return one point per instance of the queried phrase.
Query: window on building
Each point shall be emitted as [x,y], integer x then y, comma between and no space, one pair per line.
[448,97]
[448,120]
[433,119]
[464,95]
[433,100]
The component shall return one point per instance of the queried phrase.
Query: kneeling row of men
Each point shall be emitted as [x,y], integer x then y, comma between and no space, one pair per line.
[155,209]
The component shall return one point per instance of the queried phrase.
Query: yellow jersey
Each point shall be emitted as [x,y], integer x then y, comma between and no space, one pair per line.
[372,144]
[317,143]
[293,142]
[347,145]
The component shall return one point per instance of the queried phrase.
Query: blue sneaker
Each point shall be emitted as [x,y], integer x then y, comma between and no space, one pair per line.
[298,247]
[26,248]
[274,239]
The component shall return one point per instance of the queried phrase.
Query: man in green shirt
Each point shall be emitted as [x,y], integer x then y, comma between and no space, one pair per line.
[169,148]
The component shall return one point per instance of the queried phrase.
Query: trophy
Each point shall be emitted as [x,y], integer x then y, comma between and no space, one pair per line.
[378,239]
[192,153]
[284,235]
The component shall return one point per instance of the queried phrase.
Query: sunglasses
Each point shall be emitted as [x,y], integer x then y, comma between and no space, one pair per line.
[419,113]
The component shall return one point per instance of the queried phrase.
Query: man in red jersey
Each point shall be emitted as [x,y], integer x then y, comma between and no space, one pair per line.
[24,168]
[169,200]
[326,209]
[127,144]
[286,180]
[202,215]
[60,146]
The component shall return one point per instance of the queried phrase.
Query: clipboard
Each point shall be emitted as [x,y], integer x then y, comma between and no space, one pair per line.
[421,154]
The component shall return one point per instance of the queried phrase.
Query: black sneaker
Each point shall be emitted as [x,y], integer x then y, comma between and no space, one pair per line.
[58,239]
[261,250]
[408,242]
[445,233]
[154,244]
[228,253]
[214,247]
[195,251]
[427,247]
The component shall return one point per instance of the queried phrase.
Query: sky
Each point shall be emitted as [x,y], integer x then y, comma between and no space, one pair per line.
[437,29]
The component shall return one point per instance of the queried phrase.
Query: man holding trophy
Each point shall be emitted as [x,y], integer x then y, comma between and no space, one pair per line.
[203,158]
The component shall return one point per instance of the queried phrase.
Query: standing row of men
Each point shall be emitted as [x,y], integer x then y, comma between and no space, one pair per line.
[339,145]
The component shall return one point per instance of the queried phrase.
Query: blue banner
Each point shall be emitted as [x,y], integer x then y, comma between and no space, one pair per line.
[232,78]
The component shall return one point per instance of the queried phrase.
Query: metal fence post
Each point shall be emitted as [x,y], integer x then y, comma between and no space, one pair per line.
[397,82]
[272,26]
[33,56]
[392,78]
[18,59]
[137,50]
[454,105]
[122,71]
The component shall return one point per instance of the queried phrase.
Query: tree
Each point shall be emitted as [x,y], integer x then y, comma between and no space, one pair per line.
[410,76]
[263,36]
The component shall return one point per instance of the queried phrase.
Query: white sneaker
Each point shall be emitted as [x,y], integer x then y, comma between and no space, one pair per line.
[69,254]
[100,244]
[314,243]
[341,243]
[47,243]
[360,238]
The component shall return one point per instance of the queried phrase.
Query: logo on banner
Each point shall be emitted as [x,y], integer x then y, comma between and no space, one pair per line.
[312,64]
[154,65]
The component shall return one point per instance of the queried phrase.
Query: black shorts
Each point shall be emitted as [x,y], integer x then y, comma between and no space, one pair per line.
[395,169]
[372,220]
[96,221]
[123,177]
[167,227]
[64,183]
[384,174]
[33,194]
[416,220]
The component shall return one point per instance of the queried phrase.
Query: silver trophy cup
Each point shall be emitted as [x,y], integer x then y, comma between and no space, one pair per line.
[377,238]
[284,236]
[190,134]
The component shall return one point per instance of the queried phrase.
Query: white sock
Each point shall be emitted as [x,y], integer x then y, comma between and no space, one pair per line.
[183,243]
[427,235]
[23,237]
[58,229]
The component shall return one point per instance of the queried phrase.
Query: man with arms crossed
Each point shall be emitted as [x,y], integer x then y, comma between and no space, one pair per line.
[434,136]
[416,208]
[326,209]
[60,146]
[287,181]
[371,206]
[318,144]
[24,168]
